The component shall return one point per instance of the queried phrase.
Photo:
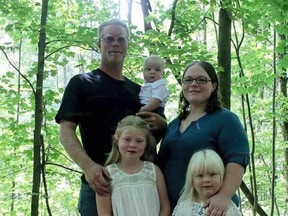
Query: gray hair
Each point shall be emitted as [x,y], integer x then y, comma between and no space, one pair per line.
[113,21]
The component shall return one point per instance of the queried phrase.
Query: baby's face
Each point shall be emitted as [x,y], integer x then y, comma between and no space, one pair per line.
[152,71]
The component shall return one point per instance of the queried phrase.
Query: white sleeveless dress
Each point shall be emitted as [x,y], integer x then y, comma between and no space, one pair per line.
[134,194]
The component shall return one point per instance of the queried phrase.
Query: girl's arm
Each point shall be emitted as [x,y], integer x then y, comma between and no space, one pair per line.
[104,206]
[218,204]
[165,209]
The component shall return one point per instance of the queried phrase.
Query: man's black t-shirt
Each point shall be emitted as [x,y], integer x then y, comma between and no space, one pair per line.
[97,102]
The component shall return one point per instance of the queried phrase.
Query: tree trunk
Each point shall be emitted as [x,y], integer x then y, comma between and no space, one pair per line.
[283,91]
[146,7]
[224,57]
[129,15]
[39,111]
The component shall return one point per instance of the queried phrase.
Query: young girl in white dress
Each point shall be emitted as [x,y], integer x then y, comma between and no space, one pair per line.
[137,186]
[204,178]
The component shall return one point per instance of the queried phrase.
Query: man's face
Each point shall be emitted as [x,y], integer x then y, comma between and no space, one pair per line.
[113,44]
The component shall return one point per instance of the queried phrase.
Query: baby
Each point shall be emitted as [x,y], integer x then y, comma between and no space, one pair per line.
[154,93]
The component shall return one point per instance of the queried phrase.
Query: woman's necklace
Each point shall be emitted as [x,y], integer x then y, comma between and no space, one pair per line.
[186,122]
[189,119]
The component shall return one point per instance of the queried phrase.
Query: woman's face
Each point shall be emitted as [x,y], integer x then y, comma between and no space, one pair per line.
[197,94]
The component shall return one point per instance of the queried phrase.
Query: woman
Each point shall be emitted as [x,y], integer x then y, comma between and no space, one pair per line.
[203,123]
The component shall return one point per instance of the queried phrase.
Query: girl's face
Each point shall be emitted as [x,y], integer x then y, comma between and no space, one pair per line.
[206,184]
[197,93]
[132,143]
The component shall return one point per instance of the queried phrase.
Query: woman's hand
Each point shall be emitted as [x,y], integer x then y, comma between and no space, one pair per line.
[217,205]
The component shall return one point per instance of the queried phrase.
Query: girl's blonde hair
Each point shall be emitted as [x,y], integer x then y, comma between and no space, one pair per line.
[203,161]
[129,121]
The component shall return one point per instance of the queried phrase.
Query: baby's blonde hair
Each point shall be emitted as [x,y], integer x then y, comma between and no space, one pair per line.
[129,121]
[205,160]
[157,59]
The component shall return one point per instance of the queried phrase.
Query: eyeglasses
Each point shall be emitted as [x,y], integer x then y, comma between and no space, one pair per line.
[111,39]
[199,80]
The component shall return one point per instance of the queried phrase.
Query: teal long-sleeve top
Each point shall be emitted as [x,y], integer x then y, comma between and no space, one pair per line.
[221,131]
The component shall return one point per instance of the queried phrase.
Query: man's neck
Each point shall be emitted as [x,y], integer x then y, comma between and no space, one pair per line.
[114,72]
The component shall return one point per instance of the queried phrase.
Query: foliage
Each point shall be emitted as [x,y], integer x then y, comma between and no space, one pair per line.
[71,49]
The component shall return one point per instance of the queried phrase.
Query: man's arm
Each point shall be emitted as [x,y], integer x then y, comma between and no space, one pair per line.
[95,174]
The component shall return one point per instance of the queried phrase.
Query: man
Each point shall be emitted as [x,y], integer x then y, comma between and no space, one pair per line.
[96,102]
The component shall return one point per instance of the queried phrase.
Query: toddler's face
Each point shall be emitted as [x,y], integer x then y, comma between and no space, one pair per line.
[152,71]
[207,184]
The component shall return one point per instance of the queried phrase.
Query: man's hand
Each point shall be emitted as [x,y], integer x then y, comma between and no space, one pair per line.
[155,121]
[98,178]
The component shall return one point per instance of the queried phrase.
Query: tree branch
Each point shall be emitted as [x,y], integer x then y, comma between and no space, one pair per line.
[56,150]
[172,18]
[54,164]
[250,197]
[72,45]
[22,75]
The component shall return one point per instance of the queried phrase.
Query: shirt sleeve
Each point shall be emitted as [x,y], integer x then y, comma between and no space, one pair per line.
[233,144]
[70,108]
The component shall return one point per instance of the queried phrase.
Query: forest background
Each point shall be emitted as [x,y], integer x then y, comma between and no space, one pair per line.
[44,43]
